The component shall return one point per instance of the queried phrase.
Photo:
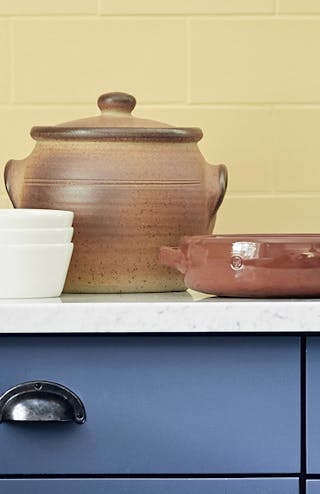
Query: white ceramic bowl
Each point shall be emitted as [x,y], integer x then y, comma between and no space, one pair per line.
[32,271]
[35,218]
[35,235]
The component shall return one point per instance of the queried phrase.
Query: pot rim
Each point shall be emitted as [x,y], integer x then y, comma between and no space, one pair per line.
[172,134]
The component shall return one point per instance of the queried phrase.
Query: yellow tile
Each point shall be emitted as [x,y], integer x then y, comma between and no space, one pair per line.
[15,125]
[297,150]
[5,79]
[255,60]
[76,60]
[186,6]
[299,6]
[47,7]
[241,138]
[269,215]
[5,202]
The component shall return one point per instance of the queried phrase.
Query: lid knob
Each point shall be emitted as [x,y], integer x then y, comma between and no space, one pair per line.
[121,102]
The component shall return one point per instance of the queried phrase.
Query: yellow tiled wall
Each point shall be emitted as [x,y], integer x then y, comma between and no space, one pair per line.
[246,71]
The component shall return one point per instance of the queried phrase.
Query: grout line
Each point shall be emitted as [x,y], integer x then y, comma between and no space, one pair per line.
[217,16]
[257,104]
[203,14]
[274,147]
[94,16]
[164,16]
[171,105]
[12,62]
[46,16]
[98,7]
[297,106]
[85,105]
[188,60]
[58,105]
[248,195]
[276,104]
[303,428]
[303,194]
[267,195]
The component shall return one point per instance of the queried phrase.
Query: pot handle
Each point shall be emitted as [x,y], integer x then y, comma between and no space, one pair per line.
[214,202]
[173,257]
[13,177]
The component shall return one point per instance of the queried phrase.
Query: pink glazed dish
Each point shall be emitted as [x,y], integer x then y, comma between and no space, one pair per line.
[253,265]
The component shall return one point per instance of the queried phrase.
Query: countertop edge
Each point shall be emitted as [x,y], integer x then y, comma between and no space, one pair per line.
[191,316]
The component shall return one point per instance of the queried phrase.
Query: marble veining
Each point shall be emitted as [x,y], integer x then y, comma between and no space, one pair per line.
[158,312]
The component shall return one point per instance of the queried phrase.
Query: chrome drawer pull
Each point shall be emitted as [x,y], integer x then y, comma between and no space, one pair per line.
[41,401]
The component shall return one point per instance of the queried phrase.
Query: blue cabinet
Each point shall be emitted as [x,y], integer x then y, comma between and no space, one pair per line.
[313,487]
[146,486]
[313,405]
[159,404]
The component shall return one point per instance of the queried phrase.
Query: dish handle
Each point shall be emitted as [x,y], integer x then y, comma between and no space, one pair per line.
[173,257]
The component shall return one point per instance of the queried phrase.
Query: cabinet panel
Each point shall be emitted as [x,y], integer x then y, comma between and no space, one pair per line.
[142,486]
[158,404]
[313,487]
[313,405]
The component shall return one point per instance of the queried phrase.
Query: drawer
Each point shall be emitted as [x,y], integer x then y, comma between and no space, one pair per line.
[313,405]
[158,404]
[151,486]
[313,487]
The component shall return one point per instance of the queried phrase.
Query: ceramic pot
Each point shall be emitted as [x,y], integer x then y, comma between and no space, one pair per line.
[133,184]
[248,265]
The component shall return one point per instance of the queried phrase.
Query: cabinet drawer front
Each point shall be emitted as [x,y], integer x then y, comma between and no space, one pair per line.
[313,405]
[158,404]
[313,487]
[144,486]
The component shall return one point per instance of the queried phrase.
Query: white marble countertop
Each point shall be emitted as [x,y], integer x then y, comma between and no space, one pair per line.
[182,312]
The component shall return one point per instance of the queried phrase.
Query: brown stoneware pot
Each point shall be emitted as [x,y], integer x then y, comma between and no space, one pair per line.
[133,184]
[248,265]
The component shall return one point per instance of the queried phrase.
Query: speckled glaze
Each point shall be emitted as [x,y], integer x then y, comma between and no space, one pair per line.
[133,184]
[248,265]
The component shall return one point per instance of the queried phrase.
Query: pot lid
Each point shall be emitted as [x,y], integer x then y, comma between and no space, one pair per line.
[116,123]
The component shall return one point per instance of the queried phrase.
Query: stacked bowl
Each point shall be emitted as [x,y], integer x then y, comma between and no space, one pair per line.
[35,252]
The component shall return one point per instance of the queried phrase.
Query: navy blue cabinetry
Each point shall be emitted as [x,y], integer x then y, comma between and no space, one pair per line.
[313,487]
[146,486]
[160,405]
[313,405]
